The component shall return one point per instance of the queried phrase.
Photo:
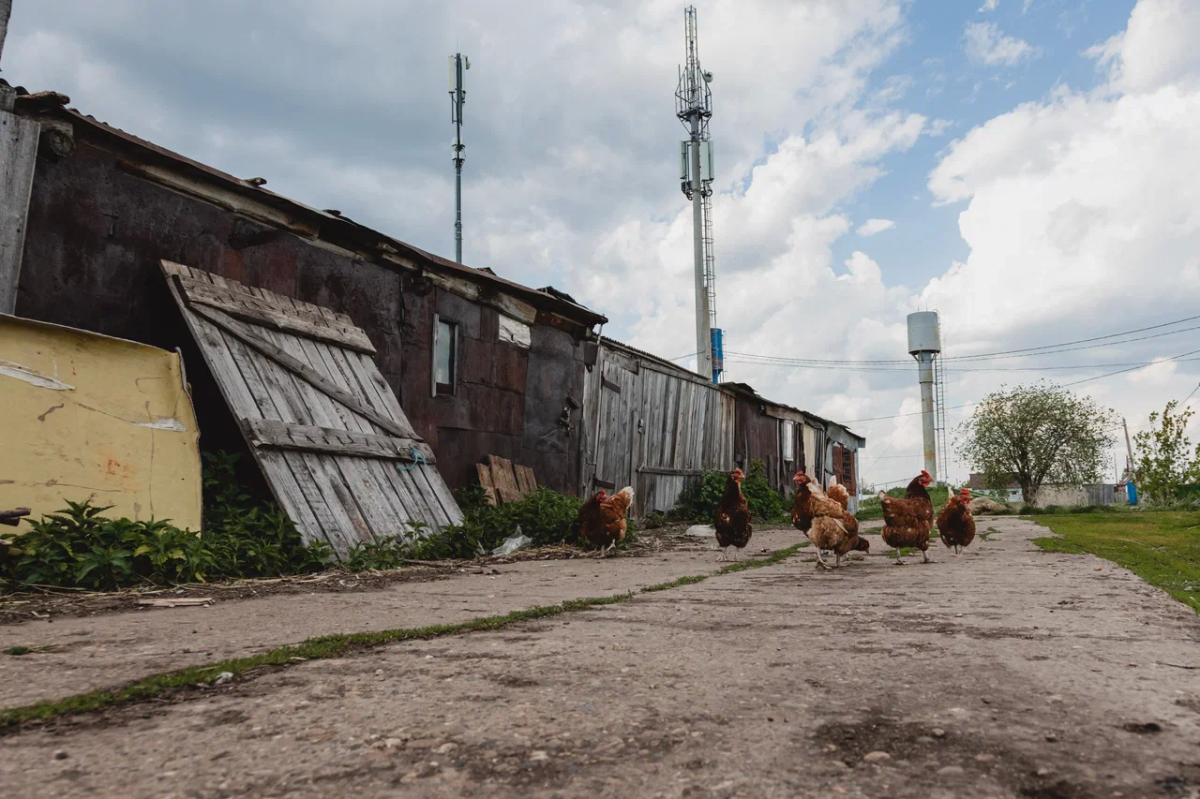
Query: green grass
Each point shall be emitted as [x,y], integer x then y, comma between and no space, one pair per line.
[18,650]
[1161,547]
[329,646]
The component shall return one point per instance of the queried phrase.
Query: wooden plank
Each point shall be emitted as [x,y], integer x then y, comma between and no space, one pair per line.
[485,482]
[504,479]
[262,311]
[308,438]
[610,385]
[526,482]
[249,337]
[18,159]
[669,471]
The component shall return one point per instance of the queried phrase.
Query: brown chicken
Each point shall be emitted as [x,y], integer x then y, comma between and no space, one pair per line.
[602,518]
[732,516]
[956,523]
[830,525]
[908,521]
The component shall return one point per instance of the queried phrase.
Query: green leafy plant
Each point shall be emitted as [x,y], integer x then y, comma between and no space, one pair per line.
[699,500]
[79,547]
[544,515]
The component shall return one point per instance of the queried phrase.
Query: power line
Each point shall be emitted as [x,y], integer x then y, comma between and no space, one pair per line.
[1064,385]
[1046,349]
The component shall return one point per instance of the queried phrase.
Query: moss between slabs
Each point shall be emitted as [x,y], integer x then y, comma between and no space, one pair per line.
[329,646]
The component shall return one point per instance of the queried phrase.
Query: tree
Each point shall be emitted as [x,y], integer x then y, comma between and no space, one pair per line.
[1165,459]
[1036,435]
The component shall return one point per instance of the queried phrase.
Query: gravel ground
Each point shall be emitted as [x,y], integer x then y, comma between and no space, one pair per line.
[1008,672]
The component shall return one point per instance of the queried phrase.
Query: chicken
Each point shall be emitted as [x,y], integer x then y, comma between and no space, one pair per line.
[732,516]
[908,521]
[955,522]
[830,525]
[602,518]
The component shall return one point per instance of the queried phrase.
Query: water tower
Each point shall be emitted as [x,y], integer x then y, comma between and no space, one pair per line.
[925,344]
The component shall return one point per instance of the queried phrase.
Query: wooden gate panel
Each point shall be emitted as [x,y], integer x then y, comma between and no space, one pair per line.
[322,422]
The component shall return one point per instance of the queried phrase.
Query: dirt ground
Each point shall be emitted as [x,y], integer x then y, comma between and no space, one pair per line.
[1008,672]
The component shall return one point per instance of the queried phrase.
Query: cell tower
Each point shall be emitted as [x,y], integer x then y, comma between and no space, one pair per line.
[459,64]
[925,344]
[693,106]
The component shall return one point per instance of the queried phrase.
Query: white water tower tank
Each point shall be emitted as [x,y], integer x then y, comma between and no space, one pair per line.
[924,333]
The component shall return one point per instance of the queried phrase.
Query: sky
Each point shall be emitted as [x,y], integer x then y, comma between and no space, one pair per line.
[1027,168]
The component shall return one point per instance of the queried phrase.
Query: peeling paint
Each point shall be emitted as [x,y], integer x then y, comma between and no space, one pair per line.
[164,424]
[10,369]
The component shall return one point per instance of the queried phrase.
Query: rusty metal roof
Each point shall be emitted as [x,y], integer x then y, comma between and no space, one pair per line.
[332,227]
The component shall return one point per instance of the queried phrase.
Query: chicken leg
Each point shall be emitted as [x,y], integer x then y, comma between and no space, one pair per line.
[821,564]
[925,555]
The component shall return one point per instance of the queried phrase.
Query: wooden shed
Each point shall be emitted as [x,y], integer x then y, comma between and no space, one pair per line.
[481,365]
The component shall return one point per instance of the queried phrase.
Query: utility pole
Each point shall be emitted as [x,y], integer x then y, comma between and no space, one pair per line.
[5,13]
[1128,449]
[459,64]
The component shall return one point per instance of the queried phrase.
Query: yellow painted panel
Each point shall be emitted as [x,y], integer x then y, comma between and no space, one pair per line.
[85,416]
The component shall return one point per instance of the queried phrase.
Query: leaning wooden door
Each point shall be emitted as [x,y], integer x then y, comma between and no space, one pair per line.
[324,425]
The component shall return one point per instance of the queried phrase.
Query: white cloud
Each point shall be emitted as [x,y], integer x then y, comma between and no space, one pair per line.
[988,6]
[873,226]
[1155,376]
[984,43]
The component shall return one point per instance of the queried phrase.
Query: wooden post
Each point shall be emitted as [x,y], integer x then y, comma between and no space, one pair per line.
[18,153]
[5,13]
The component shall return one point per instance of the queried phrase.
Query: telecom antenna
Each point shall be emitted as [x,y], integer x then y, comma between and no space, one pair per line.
[693,106]
[459,64]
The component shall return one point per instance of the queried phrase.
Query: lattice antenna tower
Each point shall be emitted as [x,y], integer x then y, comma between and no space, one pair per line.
[693,106]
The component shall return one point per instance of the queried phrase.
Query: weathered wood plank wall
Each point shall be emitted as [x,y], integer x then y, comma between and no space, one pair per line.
[651,427]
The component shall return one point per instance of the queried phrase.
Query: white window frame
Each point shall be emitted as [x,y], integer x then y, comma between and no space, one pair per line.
[451,388]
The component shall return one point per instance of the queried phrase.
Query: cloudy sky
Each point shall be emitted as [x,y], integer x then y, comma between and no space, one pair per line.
[1028,168]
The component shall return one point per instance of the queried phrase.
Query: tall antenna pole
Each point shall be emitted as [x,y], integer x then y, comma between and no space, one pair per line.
[459,64]
[693,106]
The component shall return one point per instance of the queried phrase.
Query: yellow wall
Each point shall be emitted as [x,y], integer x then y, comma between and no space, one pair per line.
[85,416]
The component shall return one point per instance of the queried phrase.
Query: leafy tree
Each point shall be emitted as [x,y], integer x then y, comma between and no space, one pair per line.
[1165,458]
[1036,435]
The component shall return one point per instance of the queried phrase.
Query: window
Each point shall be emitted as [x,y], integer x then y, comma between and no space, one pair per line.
[789,442]
[445,356]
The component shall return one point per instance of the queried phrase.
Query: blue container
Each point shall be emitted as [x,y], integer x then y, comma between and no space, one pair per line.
[1131,491]
[718,353]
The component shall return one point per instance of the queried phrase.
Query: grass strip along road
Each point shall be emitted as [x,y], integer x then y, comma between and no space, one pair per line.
[199,678]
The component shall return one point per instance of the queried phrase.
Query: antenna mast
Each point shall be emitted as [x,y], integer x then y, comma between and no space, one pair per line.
[459,64]
[693,106]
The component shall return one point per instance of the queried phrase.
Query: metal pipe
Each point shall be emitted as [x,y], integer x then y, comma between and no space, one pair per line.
[925,369]
[703,336]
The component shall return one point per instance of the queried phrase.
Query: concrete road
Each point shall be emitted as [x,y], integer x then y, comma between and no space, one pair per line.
[1008,672]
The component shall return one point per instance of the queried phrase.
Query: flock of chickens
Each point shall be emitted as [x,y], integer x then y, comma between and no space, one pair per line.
[823,516]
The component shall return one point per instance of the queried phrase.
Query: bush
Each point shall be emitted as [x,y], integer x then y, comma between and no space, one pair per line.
[543,515]
[79,547]
[699,500]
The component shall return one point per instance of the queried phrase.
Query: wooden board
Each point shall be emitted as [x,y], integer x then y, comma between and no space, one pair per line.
[526,482]
[247,307]
[18,158]
[323,424]
[485,480]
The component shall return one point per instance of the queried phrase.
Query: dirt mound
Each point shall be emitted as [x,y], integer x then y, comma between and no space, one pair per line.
[983,505]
